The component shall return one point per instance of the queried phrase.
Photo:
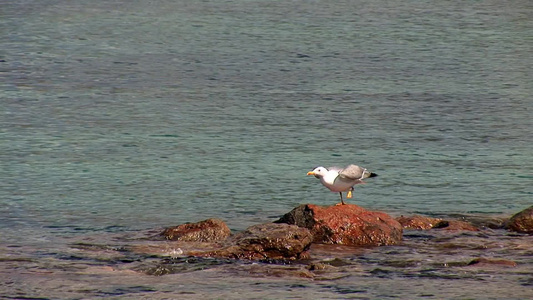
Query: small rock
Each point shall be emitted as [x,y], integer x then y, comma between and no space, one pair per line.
[418,222]
[345,224]
[522,222]
[210,230]
[454,225]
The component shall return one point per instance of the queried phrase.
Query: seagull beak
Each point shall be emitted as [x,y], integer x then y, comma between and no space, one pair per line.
[311,173]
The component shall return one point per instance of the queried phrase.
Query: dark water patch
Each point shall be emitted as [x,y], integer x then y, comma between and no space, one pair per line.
[25,298]
[337,262]
[418,235]
[97,247]
[126,290]
[164,136]
[382,273]
[437,274]
[527,281]
[79,229]
[344,290]
[182,265]
[426,295]
[298,286]
[17,259]
[401,263]
[69,257]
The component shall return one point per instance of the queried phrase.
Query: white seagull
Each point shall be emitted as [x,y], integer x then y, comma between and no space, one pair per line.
[341,180]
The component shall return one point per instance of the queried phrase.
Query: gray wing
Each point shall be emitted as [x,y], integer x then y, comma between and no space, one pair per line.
[353,172]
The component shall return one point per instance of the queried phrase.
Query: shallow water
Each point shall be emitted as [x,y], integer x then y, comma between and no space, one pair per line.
[129,116]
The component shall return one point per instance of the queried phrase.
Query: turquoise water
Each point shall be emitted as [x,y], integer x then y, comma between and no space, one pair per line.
[125,116]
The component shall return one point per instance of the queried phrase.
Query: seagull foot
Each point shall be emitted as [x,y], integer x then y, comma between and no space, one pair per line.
[349,194]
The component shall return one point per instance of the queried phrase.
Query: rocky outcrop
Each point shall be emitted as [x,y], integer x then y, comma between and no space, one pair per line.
[345,224]
[265,242]
[522,222]
[210,230]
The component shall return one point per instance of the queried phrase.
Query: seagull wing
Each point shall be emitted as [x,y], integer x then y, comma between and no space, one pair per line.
[353,172]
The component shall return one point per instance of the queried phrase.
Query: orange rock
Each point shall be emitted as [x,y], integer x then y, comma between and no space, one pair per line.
[346,224]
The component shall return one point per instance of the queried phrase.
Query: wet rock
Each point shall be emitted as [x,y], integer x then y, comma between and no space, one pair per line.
[266,242]
[345,224]
[210,230]
[491,261]
[454,225]
[492,222]
[522,222]
[418,222]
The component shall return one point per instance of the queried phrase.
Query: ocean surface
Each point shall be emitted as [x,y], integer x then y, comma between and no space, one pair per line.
[119,118]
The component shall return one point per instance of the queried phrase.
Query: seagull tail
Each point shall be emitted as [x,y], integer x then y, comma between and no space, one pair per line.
[368,174]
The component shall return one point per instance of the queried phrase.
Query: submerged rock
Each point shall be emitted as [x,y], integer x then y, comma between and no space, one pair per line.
[455,225]
[417,222]
[522,222]
[345,224]
[266,242]
[210,230]
[481,261]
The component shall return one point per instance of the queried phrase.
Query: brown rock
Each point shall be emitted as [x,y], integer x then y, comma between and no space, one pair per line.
[418,222]
[345,224]
[491,261]
[492,222]
[210,230]
[522,222]
[454,225]
[266,241]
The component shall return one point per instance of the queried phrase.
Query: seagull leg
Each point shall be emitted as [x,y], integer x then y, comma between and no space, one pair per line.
[342,201]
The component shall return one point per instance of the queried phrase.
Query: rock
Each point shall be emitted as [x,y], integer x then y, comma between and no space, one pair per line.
[454,225]
[491,222]
[266,242]
[491,261]
[418,222]
[210,230]
[345,224]
[522,222]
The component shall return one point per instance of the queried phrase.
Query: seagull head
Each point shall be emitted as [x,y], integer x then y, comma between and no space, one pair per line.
[318,172]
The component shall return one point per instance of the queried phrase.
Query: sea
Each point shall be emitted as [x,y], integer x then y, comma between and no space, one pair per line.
[120,118]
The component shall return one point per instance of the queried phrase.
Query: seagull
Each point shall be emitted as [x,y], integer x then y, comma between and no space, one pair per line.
[341,180]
